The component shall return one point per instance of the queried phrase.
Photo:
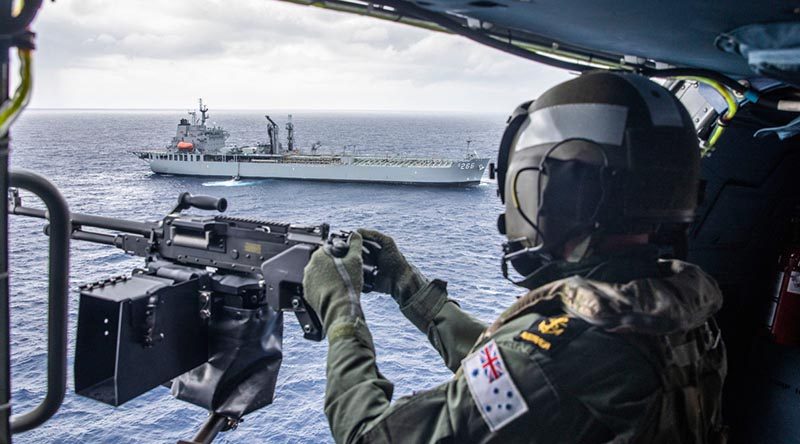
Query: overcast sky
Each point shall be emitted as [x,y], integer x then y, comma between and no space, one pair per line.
[257,54]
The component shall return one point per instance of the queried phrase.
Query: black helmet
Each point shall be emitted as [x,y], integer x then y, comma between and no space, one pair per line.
[607,153]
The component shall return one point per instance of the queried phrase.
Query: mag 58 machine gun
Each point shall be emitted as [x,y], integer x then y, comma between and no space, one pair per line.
[204,313]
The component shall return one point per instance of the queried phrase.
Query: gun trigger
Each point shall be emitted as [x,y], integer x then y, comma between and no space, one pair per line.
[308,319]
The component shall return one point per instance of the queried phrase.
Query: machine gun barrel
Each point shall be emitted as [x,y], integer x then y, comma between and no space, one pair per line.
[97,238]
[110,223]
[87,220]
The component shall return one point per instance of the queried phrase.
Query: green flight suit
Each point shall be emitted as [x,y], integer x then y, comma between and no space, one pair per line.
[618,368]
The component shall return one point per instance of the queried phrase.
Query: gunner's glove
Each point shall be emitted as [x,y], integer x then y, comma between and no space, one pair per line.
[332,285]
[396,276]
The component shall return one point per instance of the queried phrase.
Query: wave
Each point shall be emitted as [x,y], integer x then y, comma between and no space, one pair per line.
[230,183]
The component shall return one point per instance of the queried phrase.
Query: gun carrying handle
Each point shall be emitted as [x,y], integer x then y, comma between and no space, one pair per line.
[211,203]
[58,269]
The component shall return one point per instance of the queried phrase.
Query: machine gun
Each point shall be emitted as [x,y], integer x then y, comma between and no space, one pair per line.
[204,314]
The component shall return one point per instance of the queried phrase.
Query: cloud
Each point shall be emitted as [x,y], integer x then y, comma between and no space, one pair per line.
[264,54]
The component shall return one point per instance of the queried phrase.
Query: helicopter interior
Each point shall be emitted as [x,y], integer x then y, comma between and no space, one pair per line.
[736,66]
[748,176]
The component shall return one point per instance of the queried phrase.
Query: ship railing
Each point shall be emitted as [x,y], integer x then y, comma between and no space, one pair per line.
[421,163]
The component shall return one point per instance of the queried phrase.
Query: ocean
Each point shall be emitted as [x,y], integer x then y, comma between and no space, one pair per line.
[449,233]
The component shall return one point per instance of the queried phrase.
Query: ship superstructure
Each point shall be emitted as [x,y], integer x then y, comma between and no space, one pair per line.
[193,135]
[198,150]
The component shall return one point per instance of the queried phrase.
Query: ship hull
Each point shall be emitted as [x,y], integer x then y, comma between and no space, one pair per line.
[452,173]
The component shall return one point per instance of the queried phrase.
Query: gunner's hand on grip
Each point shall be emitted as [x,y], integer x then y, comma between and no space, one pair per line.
[394,275]
[338,245]
[333,279]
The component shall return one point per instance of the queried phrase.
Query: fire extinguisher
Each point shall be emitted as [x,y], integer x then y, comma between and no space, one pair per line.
[783,321]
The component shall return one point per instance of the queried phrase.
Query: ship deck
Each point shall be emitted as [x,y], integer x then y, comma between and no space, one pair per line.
[319,167]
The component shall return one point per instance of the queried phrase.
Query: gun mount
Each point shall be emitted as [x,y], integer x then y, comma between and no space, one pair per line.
[204,313]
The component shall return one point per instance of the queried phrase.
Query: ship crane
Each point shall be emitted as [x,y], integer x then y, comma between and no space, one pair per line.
[272,134]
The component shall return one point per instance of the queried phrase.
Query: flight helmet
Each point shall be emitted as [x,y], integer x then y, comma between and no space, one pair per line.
[610,153]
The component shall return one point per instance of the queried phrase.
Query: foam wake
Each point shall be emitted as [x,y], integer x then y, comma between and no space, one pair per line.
[230,183]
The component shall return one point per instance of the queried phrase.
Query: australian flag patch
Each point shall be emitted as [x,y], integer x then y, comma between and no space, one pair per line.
[492,388]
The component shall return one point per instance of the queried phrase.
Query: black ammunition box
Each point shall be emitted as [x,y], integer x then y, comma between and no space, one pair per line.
[135,333]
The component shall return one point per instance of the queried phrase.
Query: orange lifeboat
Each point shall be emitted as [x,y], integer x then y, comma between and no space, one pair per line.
[185,146]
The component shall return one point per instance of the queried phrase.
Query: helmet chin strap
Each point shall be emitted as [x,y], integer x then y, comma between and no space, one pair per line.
[554,269]
[546,266]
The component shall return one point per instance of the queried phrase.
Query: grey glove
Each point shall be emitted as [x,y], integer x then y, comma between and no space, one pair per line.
[396,276]
[332,285]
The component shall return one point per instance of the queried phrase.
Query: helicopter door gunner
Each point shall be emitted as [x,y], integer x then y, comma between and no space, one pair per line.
[610,344]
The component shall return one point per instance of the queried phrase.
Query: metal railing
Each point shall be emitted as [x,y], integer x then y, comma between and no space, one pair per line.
[58,296]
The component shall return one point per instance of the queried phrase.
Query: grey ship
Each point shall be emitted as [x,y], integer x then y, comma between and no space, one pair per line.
[200,150]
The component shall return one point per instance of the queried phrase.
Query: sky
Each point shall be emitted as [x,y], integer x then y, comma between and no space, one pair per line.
[265,54]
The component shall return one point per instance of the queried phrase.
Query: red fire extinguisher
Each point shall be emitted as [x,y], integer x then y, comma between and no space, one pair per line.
[783,320]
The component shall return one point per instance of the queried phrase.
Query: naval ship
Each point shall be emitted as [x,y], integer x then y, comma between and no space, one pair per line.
[201,150]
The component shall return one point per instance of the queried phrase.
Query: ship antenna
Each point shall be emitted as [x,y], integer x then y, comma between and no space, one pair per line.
[203,111]
[469,142]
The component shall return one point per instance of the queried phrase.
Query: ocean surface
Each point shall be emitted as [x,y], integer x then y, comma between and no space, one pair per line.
[449,233]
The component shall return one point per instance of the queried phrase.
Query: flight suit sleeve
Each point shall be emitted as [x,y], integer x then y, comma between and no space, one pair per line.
[357,399]
[356,392]
[450,330]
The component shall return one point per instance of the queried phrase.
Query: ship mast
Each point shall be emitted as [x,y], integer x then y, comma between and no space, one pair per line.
[290,134]
[203,111]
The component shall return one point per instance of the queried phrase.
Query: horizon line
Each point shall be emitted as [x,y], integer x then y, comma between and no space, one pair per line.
[345,110]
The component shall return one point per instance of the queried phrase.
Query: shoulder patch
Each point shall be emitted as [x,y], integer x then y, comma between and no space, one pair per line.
[492,389]
[548,334]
